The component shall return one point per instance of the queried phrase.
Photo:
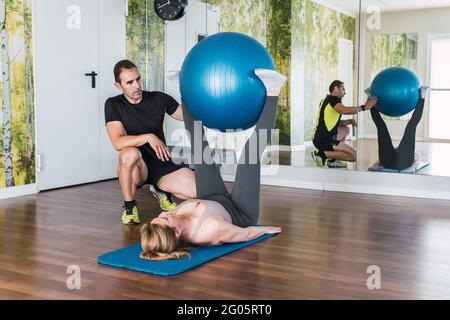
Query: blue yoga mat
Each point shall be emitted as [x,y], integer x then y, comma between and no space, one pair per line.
[128,258]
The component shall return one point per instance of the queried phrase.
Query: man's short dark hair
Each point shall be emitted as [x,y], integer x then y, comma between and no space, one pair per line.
[334,84]
[122,64]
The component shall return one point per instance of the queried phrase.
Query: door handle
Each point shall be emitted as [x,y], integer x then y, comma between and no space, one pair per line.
[93,74]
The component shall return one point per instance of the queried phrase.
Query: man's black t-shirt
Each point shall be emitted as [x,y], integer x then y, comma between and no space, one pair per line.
[327,119]
[144,117]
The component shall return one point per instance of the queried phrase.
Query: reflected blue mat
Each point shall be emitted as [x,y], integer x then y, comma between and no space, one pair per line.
[418,165]
[128,258]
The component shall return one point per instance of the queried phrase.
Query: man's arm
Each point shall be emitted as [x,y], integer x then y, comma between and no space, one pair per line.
[344,123]
[121,140]
[340,108]
[178,114]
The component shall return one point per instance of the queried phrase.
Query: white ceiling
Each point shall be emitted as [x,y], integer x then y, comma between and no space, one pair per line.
[351,7]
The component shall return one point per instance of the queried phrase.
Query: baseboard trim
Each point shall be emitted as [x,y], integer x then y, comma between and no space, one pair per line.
[360,182]
[19,191]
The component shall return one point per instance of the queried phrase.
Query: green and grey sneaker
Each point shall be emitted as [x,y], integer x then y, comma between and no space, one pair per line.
[317,159]
[130,215]
[165,201]
[336,163]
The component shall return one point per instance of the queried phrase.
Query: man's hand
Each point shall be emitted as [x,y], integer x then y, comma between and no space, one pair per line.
[371,103]
[162,152]
[353,123]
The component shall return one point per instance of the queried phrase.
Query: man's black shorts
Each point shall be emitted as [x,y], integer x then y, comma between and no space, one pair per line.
[157,168]
[325,144]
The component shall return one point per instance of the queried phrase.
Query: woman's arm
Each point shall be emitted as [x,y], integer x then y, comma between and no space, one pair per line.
[217,232]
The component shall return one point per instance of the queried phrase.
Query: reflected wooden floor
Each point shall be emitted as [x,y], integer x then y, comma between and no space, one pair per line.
[437,154]
[329,241]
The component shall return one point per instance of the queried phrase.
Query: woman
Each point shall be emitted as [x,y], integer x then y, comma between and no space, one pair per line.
[217,216]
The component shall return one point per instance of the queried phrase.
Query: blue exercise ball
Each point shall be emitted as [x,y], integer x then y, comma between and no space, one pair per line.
[218,84]
[397,90]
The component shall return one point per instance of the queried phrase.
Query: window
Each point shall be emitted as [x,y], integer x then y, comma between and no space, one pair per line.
[439,127]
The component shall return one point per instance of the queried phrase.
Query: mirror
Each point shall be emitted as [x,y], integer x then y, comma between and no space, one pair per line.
[414,35]
[324,49]
[313,43]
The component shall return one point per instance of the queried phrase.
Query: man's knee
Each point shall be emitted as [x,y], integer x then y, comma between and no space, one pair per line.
[128,157]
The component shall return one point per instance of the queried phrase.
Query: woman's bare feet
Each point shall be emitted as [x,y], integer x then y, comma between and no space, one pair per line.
[272,80]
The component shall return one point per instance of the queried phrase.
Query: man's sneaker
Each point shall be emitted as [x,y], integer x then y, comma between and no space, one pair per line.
[165,202]
[333,163]
[130,215]
[317,159]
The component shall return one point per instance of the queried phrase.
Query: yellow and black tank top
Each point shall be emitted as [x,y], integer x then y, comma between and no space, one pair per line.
[327,119]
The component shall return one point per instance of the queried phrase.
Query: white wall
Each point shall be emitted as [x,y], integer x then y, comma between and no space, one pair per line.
[424,23]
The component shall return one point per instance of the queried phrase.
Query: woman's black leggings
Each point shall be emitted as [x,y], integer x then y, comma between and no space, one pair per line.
[246,190]
[402,157]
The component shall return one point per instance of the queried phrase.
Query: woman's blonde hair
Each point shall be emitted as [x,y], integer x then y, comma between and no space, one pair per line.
[160,243]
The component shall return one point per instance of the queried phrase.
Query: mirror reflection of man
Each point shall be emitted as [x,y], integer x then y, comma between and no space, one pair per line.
[134,121]
[330,132]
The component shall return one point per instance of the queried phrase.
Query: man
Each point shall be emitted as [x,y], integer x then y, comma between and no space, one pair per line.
[330,132]
[134,121]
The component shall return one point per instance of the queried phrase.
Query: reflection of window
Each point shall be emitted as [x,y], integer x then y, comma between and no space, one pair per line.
[440,88]
[394,50]
[145,43]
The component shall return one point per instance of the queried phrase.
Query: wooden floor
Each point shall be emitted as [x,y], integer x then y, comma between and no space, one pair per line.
[329,241]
